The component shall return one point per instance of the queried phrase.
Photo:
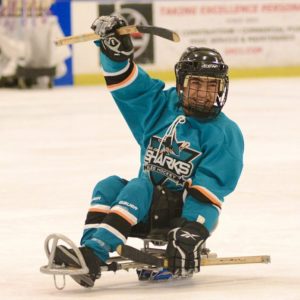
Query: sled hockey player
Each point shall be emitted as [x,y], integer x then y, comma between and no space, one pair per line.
[191,157]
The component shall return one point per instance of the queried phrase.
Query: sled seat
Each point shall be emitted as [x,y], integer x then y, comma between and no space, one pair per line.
[143,231]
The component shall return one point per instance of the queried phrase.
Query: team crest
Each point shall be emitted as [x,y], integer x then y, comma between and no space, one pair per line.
[169,159]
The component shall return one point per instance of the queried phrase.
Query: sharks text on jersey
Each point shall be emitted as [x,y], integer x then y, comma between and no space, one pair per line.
[164,163]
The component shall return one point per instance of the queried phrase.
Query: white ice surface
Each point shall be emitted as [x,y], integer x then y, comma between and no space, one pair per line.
[56,145]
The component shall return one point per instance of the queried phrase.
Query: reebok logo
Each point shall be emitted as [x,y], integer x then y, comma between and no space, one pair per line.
[189,235]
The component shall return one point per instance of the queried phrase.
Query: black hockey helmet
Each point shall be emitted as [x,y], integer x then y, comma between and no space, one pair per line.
[200,62]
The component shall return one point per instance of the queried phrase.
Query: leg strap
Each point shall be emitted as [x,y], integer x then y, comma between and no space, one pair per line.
[166,206]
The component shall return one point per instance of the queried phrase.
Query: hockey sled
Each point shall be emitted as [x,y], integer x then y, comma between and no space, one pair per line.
[149,259]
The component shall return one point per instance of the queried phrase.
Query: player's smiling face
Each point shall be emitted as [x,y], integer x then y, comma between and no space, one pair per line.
[199,91]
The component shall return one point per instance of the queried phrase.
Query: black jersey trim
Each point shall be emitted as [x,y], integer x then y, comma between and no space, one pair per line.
[118,223]
[95,218]
[116,79]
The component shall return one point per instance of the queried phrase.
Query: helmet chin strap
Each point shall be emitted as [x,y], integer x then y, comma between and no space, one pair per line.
[180,97]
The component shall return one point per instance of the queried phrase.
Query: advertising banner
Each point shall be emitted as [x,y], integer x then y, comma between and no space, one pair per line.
[261,33]
[250,34]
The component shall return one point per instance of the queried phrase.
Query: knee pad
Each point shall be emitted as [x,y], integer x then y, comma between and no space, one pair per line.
[109,188]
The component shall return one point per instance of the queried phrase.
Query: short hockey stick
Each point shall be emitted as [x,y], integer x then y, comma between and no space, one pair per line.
[140,256]
[149,259]
[159,31]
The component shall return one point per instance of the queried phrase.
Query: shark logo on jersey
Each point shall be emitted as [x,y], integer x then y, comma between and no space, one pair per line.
[168,159]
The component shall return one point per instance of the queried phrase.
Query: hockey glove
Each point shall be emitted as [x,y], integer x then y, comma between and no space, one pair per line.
[116,47]
[184,247]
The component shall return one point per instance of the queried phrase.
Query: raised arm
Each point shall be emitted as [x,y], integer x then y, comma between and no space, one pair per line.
[140,98]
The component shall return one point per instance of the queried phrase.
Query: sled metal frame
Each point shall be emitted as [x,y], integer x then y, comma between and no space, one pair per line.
[116,263]
[54,269]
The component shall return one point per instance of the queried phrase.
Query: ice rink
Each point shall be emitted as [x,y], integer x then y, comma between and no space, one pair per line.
[56,145]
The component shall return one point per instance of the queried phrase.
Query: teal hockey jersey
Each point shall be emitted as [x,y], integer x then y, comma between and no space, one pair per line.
[177,151]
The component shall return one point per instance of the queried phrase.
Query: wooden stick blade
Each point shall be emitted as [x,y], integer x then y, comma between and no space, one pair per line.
[235,260]
[159,31]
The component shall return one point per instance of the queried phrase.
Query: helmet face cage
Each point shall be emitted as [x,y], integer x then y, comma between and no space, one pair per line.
[203,96]
[202,82]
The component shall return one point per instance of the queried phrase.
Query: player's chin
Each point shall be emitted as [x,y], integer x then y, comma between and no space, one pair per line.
[187,111]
